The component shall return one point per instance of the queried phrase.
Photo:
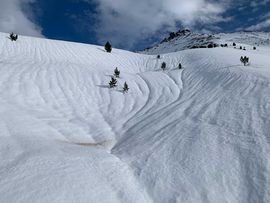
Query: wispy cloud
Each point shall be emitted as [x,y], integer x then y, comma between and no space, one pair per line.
[15,17]
[256,3]
[260,26]
[263,20]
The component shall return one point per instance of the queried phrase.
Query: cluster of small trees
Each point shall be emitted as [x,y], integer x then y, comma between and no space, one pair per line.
[224,45]
[234,45]
[211,45]
[242,48]
[164,65]
[244,60]
[113,81]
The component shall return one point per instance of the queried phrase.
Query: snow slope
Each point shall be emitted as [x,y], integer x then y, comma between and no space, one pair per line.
[201,134]
[185,39]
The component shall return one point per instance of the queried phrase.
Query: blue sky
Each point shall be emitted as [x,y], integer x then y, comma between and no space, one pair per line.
[129,24]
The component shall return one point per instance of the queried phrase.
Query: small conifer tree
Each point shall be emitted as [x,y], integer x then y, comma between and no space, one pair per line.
[244,60]
[234,44]
[116,72]
[254,48]
[108,47]
[158,56]
[113,82]
[125,88]
[180,66]
[163,66]
[13,37]
[240,47]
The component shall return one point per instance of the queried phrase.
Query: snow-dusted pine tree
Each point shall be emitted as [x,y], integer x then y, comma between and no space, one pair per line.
[108,47]
[116,72]
[163,66]
[113,82]
[13,37]
[125,88]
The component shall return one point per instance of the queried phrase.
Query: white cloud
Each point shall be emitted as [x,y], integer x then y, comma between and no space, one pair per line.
[260,26]
[13,18]
[256,3]
[126,21]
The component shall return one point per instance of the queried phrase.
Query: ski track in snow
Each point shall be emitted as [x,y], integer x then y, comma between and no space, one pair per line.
[200,134]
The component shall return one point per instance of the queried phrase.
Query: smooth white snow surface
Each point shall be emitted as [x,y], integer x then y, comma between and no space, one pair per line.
[201,134]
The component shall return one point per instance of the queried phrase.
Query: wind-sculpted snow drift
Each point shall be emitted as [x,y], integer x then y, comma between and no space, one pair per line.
[201,134]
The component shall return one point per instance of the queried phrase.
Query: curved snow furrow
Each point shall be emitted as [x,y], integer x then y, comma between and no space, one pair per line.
[55,95]
[13,86]
[247,119]
[134,104]
[117,107]
[222,120]
[54,89]
[165,92]
[144,89]
[157,94]
[197,135]
[123,107]
[160,111]
[79,115]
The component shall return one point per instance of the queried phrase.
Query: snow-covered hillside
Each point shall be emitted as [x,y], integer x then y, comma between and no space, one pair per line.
[185,39]
[201,134]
